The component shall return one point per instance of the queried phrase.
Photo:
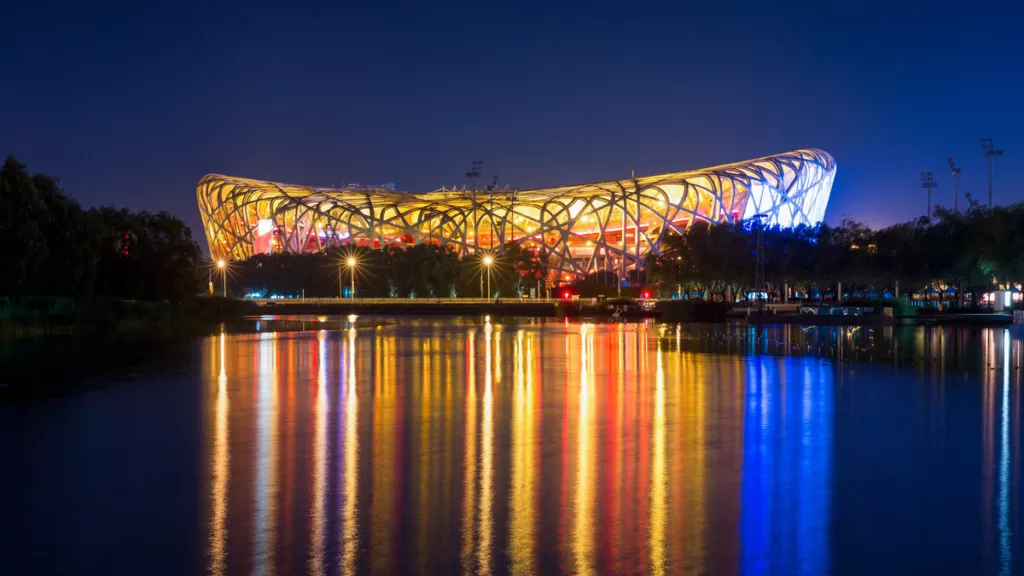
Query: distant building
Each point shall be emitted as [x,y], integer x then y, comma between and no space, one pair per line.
[583,229]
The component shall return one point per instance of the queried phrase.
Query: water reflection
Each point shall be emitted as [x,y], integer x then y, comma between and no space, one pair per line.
[490,447]
[219,473]
[266,497]
[787,462]
[583,524]
[1005,534]
[659,477]
[483,551]
[522,537]
[469,464]
[350,475]
[318,508]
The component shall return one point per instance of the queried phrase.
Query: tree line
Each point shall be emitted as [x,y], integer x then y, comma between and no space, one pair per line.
[980,249]
[51,246]
[412,271]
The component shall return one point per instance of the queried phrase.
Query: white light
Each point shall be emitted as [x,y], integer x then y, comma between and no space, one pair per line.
[265,226]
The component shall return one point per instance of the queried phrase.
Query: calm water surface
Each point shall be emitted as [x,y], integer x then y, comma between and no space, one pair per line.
[466,446]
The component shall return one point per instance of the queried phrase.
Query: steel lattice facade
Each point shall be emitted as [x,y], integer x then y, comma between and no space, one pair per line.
[582,229]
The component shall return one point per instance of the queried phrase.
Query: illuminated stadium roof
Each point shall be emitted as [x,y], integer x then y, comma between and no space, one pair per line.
[583,229]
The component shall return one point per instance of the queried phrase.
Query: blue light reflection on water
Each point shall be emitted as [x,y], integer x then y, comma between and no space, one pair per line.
[1005,532]
[440,445]
[787,458]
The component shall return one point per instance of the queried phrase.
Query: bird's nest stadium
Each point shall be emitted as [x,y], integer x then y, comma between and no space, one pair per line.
[581,229]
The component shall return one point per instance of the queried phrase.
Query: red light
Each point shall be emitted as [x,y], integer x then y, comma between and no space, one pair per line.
[567,294]
[646,294]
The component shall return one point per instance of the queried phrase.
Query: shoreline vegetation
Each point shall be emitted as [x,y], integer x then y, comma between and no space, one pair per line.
[141,321]
[113,272]
[110,317]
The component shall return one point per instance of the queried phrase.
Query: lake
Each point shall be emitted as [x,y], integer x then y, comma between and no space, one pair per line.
[522,446]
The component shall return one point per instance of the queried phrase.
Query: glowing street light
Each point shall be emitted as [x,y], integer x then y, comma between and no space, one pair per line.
[224,275]
[488,260]
[352,273]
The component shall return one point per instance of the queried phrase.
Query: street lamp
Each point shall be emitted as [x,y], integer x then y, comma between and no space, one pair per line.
[488,260]
[224,275]
[352,272]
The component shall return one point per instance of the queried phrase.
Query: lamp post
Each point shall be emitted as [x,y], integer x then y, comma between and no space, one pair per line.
[223,275]
[488,260]
[352,274]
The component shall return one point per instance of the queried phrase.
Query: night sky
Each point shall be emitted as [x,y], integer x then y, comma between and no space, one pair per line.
[131,104]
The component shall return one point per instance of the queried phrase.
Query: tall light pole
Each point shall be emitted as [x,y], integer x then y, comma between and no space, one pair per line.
[990,153]
[352,274]
[224,275]
[956,172]
[928,181]
[488,260]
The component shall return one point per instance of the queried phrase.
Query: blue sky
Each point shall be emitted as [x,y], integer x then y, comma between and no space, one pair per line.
[130,104]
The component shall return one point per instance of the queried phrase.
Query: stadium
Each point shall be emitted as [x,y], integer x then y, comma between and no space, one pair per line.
[582,229]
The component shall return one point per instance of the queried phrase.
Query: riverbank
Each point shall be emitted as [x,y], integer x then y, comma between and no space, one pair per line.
[981,320]
[44,316]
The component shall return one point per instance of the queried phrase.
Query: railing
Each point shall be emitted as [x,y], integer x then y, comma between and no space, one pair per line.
[320,301]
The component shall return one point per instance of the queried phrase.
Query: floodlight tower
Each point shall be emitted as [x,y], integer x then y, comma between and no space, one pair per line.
[956,172]
[928,181]
[473,174]
[990,153]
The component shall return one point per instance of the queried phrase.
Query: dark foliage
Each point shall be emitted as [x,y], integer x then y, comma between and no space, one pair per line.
[980,249]
[52,247]
[413,271]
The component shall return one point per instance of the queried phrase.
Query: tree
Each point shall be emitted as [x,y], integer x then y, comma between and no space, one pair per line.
[24,218]
[144,256]
[69,268]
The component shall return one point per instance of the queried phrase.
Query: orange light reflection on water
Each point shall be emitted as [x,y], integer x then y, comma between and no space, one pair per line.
[475,446]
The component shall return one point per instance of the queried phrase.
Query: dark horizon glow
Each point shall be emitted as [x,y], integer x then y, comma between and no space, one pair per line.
[131,105]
